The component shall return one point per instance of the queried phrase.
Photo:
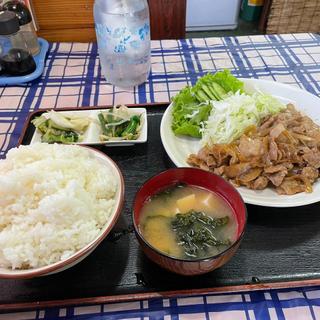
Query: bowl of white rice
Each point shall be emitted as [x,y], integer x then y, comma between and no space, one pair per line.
[57,203]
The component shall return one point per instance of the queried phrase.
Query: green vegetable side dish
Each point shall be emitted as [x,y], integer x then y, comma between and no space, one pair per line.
[57,128]
[195,231]
[119,124]
[191,106]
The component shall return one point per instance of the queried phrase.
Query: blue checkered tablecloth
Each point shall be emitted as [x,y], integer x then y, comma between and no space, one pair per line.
[72,77]
[282,304]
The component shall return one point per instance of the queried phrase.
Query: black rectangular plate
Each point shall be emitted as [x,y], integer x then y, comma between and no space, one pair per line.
[280,244]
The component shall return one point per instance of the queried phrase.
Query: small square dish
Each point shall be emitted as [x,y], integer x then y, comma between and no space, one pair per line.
[88,128]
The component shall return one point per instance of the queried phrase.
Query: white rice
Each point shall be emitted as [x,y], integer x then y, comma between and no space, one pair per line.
[54,200]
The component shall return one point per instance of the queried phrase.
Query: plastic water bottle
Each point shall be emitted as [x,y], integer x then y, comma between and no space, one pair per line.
[123,36]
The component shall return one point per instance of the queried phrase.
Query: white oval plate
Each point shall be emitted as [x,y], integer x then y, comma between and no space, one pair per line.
[178,148]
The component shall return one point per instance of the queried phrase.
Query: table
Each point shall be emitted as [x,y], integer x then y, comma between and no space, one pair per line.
[72,77]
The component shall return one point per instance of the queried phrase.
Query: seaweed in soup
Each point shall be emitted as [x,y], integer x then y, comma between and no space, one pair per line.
[188,222]
[195,232]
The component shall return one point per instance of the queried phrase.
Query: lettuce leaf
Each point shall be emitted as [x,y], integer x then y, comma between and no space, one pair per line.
[188,129]
[188,114]
[191,106]
[227,81]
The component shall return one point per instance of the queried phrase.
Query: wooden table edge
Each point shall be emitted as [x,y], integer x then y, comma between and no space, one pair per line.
[23,306]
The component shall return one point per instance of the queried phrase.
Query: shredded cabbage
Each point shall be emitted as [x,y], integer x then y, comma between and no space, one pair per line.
[230,117]
[76,123]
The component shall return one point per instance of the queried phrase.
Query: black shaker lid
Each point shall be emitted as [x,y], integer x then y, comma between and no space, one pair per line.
[21,10]
[9,23]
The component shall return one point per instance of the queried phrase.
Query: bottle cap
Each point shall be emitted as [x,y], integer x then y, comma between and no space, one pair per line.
[9,23]
[22,11]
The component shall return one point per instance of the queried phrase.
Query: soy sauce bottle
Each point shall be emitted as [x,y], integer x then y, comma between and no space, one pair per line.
[15,59]
[26,25]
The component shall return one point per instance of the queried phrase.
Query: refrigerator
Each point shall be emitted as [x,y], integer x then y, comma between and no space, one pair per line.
[205,15]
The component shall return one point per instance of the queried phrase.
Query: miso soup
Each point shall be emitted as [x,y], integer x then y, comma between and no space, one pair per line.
[188,222]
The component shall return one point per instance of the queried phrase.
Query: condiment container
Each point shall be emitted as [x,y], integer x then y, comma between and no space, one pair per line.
[18,62]
[26,25]
[15,58]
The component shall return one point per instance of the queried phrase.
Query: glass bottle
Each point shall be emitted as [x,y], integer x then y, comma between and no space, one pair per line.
[123,36]
[9,32]
[26,25]
[15,58]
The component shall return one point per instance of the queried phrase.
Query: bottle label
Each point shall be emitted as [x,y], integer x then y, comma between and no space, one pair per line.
[255,3]
[122,39]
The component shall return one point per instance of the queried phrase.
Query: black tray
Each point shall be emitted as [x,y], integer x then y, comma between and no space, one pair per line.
[281,246]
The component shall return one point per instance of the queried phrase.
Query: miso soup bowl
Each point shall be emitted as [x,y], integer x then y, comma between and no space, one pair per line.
[197,178]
